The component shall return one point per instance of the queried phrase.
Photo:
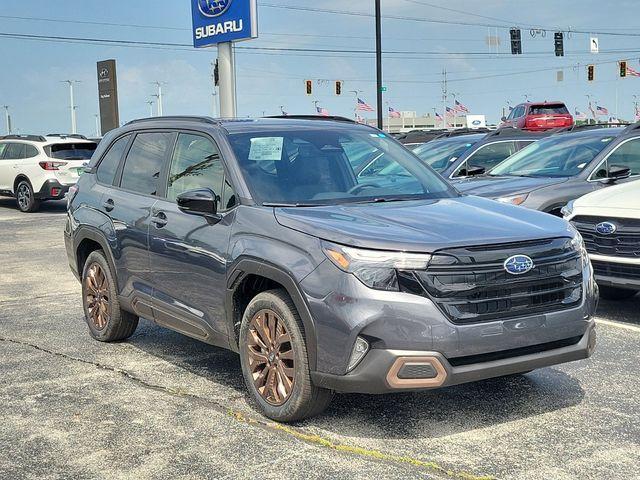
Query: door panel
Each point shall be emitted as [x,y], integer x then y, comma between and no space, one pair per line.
[6,168]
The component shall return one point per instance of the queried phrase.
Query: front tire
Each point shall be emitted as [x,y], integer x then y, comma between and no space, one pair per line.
[25,198]
[275,365]
[613,293]
[107,321]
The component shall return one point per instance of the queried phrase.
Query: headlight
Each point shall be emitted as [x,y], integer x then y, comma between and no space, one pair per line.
[514,199]
[567,210]
[577,242]
[375,268]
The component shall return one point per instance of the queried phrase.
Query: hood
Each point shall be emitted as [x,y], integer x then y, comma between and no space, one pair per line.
[625,196]
[495,187]
[423,226]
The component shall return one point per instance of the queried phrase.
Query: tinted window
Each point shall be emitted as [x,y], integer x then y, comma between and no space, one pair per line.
[489,156]
[229,197]
[628,155]
[15,151]
[519,111]
[439,154]
[109,164]
[3,147]
[558,109]
[311,166]
[30,151]
[144,162]
[72,151]
[557,156]
[196,164]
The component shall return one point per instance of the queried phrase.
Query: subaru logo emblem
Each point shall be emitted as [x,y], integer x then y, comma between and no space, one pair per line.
[213,8]
[606,228]
[518,264]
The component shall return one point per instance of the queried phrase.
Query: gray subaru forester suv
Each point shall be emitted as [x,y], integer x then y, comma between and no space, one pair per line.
[257,236]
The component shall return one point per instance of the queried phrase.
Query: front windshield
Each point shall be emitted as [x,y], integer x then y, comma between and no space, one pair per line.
[303,166]
[560,156]
[439,154]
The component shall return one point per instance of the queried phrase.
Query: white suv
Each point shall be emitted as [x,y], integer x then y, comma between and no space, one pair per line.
[609,221]
[34,168]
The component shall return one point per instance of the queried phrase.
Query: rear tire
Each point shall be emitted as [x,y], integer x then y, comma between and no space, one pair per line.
[107,321]
[613,293]
[25,197]
[275,365]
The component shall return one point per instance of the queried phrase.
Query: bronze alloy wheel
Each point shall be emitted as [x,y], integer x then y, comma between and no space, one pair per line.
[97,296]
[271,359]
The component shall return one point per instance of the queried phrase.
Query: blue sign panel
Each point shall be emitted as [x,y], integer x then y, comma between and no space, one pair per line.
[217,21]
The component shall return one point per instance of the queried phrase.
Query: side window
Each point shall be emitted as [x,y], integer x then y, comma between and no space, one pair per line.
[229,197]
[628,155]
[109,164]
[519,112]
[488,156]
[3,147]
[195,164]
[15,151]
[144,162]
[30,151]
[524,143]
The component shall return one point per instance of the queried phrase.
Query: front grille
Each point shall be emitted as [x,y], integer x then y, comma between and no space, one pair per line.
[624,242]
[470,285]
[616,270]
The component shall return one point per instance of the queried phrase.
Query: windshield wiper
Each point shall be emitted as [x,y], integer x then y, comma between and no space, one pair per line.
[291,205]
[385,199]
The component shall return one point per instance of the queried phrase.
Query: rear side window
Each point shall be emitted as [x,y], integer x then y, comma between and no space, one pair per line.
[196,164]
[30,151]
[144,162]
[555,109]
[109,164]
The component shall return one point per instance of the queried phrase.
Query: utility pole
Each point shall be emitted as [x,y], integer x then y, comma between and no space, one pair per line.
[8,119]
[355,108]
[227,72]
[150,103]
[159,96]
[96,116]
[444,98]
[74,128]
[379,62]
[593,114]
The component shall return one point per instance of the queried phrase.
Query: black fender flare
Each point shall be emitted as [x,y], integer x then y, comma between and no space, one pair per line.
[253,266]
[85,232]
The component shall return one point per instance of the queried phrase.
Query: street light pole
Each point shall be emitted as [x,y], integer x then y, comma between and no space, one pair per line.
[74,128]
[159,96]
[379,62]
[95,115]
[8,119]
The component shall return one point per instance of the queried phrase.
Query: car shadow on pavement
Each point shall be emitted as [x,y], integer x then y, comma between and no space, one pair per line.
[620,310]
[52,206]
[429,414]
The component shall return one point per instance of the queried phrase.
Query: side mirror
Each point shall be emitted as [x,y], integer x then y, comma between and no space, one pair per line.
[199,202]
[474,171]
[617,172]
[503,119]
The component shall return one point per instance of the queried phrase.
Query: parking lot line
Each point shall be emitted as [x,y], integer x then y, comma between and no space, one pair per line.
[633,328]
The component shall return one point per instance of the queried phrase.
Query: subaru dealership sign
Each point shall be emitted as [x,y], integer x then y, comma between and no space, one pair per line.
[217,21]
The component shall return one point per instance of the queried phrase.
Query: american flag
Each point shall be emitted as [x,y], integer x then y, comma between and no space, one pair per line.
[394,113]
[364,106]
[451,112]
[632,73]
[601,110]
[459,107]
[360,119]
[580,115]
[322,111]
[438,116]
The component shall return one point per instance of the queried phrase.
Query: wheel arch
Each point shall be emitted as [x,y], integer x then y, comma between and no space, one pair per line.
[250,269]
[87,240]
[18,179]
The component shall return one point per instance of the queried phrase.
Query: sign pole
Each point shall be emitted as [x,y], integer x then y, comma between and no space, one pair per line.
[226,65]
[379,62]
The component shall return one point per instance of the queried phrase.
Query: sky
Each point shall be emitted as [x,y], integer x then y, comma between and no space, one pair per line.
[418,47]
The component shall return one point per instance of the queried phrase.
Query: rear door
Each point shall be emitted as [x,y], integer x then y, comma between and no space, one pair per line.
[6,167]
[129,207]
[188,253]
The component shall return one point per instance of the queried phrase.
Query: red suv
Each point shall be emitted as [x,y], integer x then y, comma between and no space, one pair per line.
[538,116]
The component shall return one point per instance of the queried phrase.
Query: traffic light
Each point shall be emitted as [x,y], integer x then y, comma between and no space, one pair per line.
[338,87]
[559,43]
[591,72]
[623,68]
[516,41]
[309,86]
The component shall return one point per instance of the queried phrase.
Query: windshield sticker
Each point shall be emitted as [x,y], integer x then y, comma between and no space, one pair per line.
[266,149]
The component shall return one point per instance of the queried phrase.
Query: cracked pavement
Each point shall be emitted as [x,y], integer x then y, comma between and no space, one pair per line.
[161,405]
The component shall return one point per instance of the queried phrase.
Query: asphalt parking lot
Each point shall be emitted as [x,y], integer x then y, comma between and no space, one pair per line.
[161,405]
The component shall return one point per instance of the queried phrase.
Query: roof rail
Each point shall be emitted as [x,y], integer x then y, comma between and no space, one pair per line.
[176,118]
[313,117]
[31,138]
[67,135]
[461,131]
[515,132]
[587,126]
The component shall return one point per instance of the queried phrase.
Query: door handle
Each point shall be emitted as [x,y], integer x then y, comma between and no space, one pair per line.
[108,205]
[159,219]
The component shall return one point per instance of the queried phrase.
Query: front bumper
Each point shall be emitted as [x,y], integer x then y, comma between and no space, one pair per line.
[616,272]
[378,371]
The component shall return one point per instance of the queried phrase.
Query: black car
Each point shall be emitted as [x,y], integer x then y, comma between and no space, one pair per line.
[257,236]
[553,171]
[462,154]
